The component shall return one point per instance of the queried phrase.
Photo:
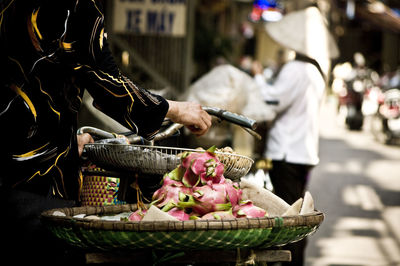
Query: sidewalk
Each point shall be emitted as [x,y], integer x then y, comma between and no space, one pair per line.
[357,186]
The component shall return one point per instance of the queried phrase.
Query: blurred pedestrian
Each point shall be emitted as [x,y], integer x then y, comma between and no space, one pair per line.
[51,51]
[296,95]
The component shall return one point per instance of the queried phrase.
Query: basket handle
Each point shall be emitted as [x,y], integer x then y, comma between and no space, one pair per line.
[246,123]
[233,118]
[106,137]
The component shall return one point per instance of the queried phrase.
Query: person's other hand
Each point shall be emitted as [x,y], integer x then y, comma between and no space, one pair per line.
[83,139]
[191,115]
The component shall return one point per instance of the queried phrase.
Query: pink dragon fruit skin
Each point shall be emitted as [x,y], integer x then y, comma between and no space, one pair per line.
[190,179]
[205,207]
[198,185]
[233,191]
[209,199]
[137,215]
[248,210]
[178,213]
[209,180]
[198,165]
[203,165]
[219,215]
[206,162]
[170,191]
[189,158]
[219,170]
[215,193]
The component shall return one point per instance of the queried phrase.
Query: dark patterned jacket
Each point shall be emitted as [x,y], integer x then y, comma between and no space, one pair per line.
[50,52]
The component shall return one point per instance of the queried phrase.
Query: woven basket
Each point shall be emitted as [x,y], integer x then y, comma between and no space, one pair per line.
[176,235]
[99,189]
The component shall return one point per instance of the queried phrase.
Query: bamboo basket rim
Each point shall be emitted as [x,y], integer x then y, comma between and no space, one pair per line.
[309,220]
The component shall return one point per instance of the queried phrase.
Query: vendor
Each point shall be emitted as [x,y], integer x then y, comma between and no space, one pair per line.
[296,96]
[51,51]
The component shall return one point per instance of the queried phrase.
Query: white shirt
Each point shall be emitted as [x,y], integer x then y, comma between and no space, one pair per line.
[299,90]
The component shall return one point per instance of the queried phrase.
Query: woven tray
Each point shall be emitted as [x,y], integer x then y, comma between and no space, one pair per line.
[176,235]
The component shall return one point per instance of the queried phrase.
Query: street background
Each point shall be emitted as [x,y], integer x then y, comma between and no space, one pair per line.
[357,187]
[170,45]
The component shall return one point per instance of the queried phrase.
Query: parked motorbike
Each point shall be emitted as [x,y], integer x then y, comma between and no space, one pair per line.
[385,124]
[355,87]
[350,90]
[350,104]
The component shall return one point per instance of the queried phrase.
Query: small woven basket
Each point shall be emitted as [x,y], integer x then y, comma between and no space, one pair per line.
[176,235]
[99,190]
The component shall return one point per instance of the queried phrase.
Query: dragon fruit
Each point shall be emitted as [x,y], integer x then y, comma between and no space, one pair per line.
[137,215]
[197,189]
[249,210]
[234,193]
[202,166]
[177,173]
[178,213]
[170,191]
[219,215]
[209,199]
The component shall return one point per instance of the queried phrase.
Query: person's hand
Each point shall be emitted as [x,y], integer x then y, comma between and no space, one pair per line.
[83,139]
[191,115]
[256,68]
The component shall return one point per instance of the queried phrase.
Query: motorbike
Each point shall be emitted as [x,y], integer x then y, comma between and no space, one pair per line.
[350,101]
[385,124]
[355,86]
[351,90]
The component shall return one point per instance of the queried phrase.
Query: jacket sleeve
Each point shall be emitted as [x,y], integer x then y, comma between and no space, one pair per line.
[95,69]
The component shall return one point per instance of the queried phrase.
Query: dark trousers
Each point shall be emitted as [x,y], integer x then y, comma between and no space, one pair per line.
[289,182]
[23,238]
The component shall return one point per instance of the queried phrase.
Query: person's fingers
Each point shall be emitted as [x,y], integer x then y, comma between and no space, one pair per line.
[197,131]
[191,115]
[199,128]
[87,138]
[205,123]
[83,139]
[91,140]
[207,119]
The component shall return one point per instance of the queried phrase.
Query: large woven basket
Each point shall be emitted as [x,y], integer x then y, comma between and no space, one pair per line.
[176,235]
